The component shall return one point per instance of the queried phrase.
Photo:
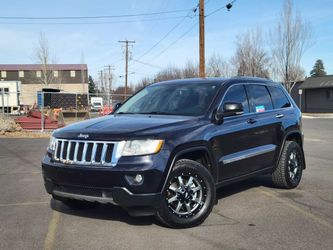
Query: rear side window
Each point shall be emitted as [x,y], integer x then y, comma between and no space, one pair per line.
[279,98]
[260,100]
[237,94]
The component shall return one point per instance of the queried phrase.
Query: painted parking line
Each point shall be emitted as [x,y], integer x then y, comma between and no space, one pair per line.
[18,173]
[302,211]
[25,203]
[52,230]
[312,139]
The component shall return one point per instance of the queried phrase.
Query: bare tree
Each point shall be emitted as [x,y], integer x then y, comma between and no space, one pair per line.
[43,57]
[251,59]
[171,72]
[217,67]
[289,40]
[190,70]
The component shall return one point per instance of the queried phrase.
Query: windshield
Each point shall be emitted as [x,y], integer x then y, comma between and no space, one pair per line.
[171,99]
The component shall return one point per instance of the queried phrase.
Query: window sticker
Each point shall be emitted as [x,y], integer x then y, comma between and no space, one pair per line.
[260,108]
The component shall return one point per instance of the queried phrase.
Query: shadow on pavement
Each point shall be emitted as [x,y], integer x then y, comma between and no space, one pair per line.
[114,213]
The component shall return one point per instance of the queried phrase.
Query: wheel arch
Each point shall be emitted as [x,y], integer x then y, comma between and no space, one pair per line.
[295,136]
[194,153]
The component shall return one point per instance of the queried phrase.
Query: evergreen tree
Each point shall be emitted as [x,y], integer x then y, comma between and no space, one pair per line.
[318,69]
[92,85]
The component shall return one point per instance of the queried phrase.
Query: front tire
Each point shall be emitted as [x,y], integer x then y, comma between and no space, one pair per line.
[188,196]
[289,171]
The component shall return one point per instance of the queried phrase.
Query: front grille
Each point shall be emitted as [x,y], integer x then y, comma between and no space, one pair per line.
[85,152]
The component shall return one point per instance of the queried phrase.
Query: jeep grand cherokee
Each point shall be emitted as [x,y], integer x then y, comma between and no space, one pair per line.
[168,148]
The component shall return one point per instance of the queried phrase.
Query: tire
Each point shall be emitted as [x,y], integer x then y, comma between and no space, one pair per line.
[289,171]
[74,204]
[187,204]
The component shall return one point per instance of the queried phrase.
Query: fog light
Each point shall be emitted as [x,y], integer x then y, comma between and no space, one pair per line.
[138,178]
[134,180]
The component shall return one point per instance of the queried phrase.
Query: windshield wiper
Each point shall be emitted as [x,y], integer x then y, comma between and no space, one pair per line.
[124,113]
[155,113]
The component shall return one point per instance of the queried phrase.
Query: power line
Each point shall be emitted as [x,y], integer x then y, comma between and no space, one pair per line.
[92,17]
[171,44]
[169,32]
[88,23]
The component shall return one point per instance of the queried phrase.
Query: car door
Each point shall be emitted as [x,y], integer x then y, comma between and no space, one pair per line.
[283,114]
[268,125]
[234,142]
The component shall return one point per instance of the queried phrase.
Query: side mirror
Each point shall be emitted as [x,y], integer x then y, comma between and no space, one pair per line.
[117,106]
[232,108]
[228,109]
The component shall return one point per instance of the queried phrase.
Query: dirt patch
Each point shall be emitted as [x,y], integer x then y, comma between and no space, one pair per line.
[9,128]
[25,134]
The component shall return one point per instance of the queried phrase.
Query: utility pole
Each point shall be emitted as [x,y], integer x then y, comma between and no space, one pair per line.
[126,63]
[202,72]
[109,67]
[102,80]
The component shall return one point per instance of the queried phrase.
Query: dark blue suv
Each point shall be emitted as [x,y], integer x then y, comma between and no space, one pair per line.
[167,148]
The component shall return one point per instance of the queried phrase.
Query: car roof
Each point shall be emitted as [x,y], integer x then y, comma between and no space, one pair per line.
[217,80]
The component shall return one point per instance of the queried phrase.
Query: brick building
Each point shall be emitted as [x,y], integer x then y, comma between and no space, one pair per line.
[36,77]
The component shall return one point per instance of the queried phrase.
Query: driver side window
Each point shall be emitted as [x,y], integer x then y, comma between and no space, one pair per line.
[237,94]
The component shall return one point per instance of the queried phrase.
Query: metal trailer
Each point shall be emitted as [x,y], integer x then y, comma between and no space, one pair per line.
[10,97]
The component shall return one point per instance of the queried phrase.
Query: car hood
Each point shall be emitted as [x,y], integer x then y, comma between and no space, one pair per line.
[120,127]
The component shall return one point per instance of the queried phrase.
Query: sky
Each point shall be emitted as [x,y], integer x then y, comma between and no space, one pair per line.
[95,41]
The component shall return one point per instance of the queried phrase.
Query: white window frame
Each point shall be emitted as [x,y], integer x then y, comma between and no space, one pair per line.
[39,73]
[3,74]
[21,73]
[72,73]
[55,73]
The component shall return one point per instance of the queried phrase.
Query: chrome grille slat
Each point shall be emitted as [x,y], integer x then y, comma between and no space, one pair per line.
[93,153]
[76,149]
[68,150]
[71,152]
[105,147]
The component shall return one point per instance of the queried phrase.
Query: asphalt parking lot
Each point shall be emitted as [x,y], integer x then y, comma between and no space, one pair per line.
[249,215]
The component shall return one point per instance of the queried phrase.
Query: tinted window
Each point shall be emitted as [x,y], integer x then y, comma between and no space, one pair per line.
[171,99]
[260,100]
[237,94]
[279,98]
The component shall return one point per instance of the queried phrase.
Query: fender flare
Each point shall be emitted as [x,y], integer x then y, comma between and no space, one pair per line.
[284,142]
[188,150]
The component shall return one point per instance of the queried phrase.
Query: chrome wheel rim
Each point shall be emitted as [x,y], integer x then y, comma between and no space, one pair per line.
[294,165]
[186,195]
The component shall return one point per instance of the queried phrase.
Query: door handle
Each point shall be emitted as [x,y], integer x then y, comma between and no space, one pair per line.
[251,121]
[279,115]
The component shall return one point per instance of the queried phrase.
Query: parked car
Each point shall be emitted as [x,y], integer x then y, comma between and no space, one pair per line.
[168,148]
[96,103]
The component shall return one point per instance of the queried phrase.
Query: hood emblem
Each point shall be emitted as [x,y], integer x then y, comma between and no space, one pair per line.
[84,136]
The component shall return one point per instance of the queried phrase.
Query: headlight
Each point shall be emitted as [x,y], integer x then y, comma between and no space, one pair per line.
[142,147]
[52,143]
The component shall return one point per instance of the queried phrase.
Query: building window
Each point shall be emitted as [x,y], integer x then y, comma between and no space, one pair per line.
[21,73]
[4,90]
[3,74]
[72,73]
[39,73]
[329,94]
[55,73]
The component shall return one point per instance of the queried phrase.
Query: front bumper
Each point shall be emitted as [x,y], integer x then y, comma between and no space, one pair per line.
[106,184]
[116,195]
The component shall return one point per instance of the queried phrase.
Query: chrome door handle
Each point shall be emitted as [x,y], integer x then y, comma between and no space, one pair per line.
[251,121]
[279,115]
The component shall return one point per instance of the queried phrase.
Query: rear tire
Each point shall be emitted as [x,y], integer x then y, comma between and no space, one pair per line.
[188,196]
[289,171]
